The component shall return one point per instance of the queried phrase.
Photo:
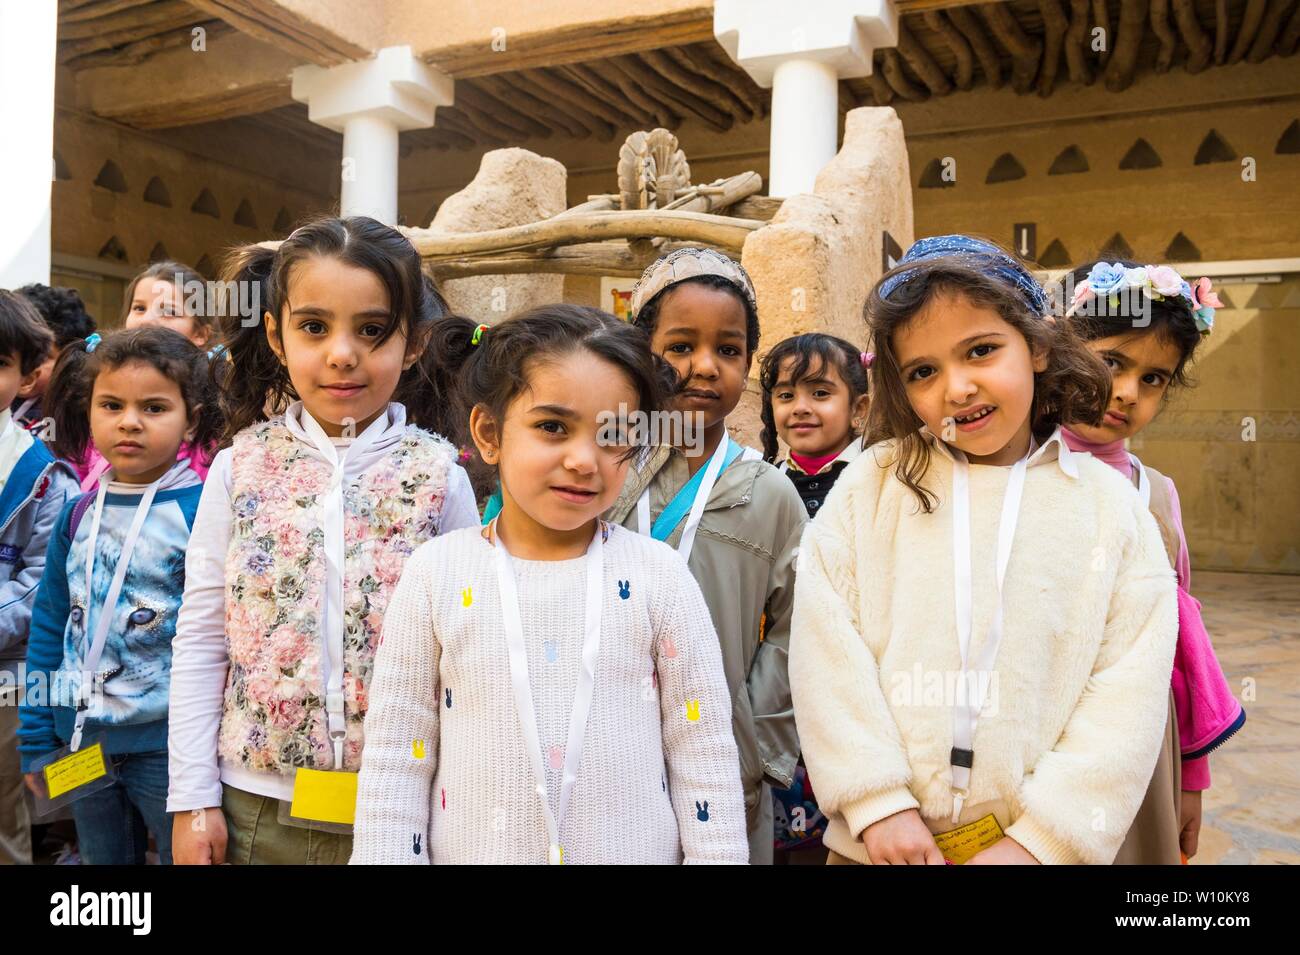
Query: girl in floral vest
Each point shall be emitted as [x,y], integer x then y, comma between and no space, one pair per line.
[326,483]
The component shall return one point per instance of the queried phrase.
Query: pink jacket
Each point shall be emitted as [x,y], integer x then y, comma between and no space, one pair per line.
[1208,713]
[91,467]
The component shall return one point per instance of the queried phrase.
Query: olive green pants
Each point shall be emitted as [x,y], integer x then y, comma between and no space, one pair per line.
[255,836]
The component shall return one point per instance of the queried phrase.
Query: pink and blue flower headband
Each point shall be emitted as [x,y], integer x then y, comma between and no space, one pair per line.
[1158,282]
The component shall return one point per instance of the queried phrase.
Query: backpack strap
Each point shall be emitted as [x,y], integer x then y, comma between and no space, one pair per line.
[78,511]
[1162,510]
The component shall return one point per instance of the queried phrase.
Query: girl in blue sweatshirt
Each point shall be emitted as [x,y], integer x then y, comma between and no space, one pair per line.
[99,654]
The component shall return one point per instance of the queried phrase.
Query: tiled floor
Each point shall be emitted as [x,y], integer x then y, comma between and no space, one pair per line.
[1252,811]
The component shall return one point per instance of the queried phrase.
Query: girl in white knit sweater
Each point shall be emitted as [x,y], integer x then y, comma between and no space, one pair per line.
[984,623]
[550,689]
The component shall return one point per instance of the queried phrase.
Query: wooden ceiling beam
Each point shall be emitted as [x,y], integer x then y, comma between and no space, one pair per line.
[295,35]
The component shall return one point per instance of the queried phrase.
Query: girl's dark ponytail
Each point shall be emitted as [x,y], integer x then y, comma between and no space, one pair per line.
[246,373]
[67,403]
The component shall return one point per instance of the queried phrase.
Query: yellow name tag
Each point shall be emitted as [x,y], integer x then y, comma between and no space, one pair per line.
[961,844]
[324,796]
[77,769]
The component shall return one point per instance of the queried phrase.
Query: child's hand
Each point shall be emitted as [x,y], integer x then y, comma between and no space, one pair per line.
[33,783]
[901,839]
[1004,852]
[1189,822]
[199,837]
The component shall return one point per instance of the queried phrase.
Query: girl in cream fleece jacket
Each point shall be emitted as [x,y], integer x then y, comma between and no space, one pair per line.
[1076,691]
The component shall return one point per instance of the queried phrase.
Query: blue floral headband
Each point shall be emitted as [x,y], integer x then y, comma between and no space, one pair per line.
[977,254]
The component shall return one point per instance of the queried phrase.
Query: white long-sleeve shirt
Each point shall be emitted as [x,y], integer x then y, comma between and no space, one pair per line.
[199,661]
[445,776]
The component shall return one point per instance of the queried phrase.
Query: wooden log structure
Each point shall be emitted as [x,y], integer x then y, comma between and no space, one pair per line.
[722,231]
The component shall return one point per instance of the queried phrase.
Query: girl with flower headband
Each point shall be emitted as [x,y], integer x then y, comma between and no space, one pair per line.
[305,523]
[984,621]
[732,516]
[1145,323]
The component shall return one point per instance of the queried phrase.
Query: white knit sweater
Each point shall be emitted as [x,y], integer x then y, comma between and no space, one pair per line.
[653,785]
[1078,702]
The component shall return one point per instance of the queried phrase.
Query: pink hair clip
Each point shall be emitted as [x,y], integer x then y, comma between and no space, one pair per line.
[867,358]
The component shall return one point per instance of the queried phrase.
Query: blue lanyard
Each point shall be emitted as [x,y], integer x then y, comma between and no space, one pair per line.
[681,503]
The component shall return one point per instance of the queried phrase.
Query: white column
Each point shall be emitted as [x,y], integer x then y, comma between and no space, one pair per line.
[370,186]
[27,37]
[370,102]
[801,50]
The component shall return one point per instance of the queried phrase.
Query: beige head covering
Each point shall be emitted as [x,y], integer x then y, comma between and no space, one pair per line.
[686,263]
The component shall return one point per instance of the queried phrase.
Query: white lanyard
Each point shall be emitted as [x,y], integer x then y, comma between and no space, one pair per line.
[523,688]
[333,529]
[711,472]
[103,620]
[23,409]
[970,699]
[1143,485]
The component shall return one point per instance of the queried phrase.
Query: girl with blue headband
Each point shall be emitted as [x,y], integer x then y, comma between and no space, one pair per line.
[984,622]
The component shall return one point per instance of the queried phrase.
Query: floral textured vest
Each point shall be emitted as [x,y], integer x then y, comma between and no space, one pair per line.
[274,716]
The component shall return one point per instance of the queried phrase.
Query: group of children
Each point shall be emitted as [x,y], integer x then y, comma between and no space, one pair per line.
[270,625]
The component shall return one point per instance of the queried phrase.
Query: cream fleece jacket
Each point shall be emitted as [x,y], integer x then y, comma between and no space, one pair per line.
[1078,698]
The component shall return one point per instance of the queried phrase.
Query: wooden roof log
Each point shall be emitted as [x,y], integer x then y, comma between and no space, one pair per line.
[179,19]
[608,91]
[990,62]
[687,58]
[135,53]
[1199,48]
[1054,29]
[632,87]
[922,63]
[960,46]
[515,89]
[1076,43]
[1164,33]
[669,91]
[137,20]
[1025,50]
[893,67]
[741,81]
[600,116]
[674,72]
[1220,31]
[272,23]
[1101,19]
[1123,60]
[491,108]
[461,119]
[1269,28]
[1286,43]
[1246,31]
[881,90]
[93,9]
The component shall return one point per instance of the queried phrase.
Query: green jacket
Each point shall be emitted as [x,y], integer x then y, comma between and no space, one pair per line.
[743,560]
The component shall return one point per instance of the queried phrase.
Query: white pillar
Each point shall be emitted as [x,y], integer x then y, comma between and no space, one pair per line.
[801,50]
[27,37]
[370,102]
[370,187]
